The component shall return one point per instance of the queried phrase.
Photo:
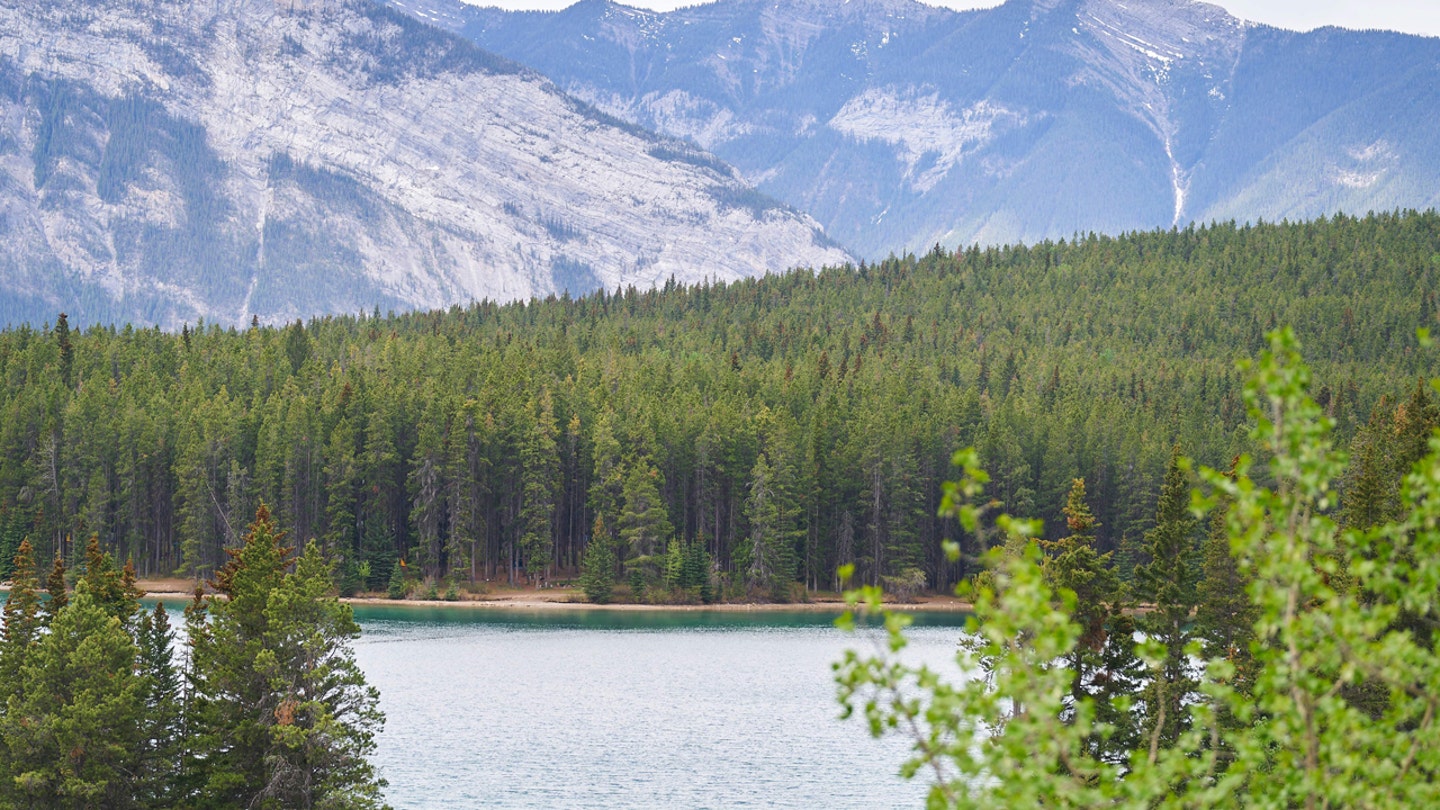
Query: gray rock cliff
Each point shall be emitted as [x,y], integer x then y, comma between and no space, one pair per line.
[163,161]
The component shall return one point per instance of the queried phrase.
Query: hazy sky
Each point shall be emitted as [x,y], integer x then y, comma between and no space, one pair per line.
[1413,16]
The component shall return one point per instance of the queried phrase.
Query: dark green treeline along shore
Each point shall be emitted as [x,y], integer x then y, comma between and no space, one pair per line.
[718,441]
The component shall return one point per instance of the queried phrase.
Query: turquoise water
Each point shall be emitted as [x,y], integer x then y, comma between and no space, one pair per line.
[547,709]
[504,708]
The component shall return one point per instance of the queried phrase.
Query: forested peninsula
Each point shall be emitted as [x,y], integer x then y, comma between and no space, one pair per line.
[716,441]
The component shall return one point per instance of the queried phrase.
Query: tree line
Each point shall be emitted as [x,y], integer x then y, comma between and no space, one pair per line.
[767,431]
[266,707]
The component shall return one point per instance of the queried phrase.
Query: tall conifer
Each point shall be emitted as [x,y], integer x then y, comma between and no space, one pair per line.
[56,589]
[73,738]
[22,623]
[1167,582]
[1102,665]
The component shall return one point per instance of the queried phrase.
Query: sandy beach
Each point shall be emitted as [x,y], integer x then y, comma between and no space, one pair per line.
[171,590]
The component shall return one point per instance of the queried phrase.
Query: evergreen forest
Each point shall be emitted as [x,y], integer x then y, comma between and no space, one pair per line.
[266,708]
[714,441]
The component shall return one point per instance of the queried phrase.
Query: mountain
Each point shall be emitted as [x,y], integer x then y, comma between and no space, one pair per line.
[899,125]
[163,161]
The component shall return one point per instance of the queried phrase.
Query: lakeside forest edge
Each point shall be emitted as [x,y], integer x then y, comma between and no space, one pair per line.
[749,438]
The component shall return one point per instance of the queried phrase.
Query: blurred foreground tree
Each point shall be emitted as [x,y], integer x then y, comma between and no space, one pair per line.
[1324,610]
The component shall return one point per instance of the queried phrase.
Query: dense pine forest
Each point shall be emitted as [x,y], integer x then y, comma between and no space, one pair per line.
[771,429]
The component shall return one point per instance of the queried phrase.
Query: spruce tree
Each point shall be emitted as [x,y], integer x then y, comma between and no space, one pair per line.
[113,589]
[1371,492]
[644,524]
[281,714]
[1224,613]
[1167,582]
[1103,665]
[341,473]
[597,566]
[232,706]
[427,498]
[695,570]
[397,587]
[161,746]
[67,350]
[1415,423]
[540,478]
[607,481]
[767,557]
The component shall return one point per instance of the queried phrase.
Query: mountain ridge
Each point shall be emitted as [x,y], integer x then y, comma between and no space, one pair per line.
[899,125]
[168,162]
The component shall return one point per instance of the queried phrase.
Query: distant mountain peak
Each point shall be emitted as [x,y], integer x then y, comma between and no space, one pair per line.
[899,124]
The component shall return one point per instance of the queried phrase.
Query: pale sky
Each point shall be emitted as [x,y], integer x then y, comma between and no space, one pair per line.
[1411,16]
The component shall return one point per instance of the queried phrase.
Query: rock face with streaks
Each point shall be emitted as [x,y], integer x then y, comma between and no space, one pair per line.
[168,160]
[899,125]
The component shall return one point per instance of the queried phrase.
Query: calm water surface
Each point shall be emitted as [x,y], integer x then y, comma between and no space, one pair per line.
[626,710]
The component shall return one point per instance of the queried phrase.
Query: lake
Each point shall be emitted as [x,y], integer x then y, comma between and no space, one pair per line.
[560,709]
[626,709]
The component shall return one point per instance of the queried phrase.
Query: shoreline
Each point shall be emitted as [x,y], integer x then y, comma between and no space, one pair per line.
[931,605]
[569,599]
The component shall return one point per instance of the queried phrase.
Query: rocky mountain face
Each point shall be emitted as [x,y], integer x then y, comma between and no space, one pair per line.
[167,160]
[899,125]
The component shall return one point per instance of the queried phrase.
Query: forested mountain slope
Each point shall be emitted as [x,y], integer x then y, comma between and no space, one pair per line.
[899,125]
[163,161]
[809,417]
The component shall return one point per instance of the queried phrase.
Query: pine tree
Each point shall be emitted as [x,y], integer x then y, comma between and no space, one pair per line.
[325,716]
[1103,665]
[1167,581]
[56,589]
[282,716]
[161,747]
[22,625]
[232,706]
[644,524]
[74,738]
[597,566]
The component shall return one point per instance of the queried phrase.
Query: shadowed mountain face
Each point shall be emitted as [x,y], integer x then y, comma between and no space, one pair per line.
[898,125]
[163,161]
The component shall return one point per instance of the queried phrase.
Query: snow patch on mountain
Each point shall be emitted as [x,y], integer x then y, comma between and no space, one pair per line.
[1367,165]
[1134,50]
[931,136]
[675,112]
